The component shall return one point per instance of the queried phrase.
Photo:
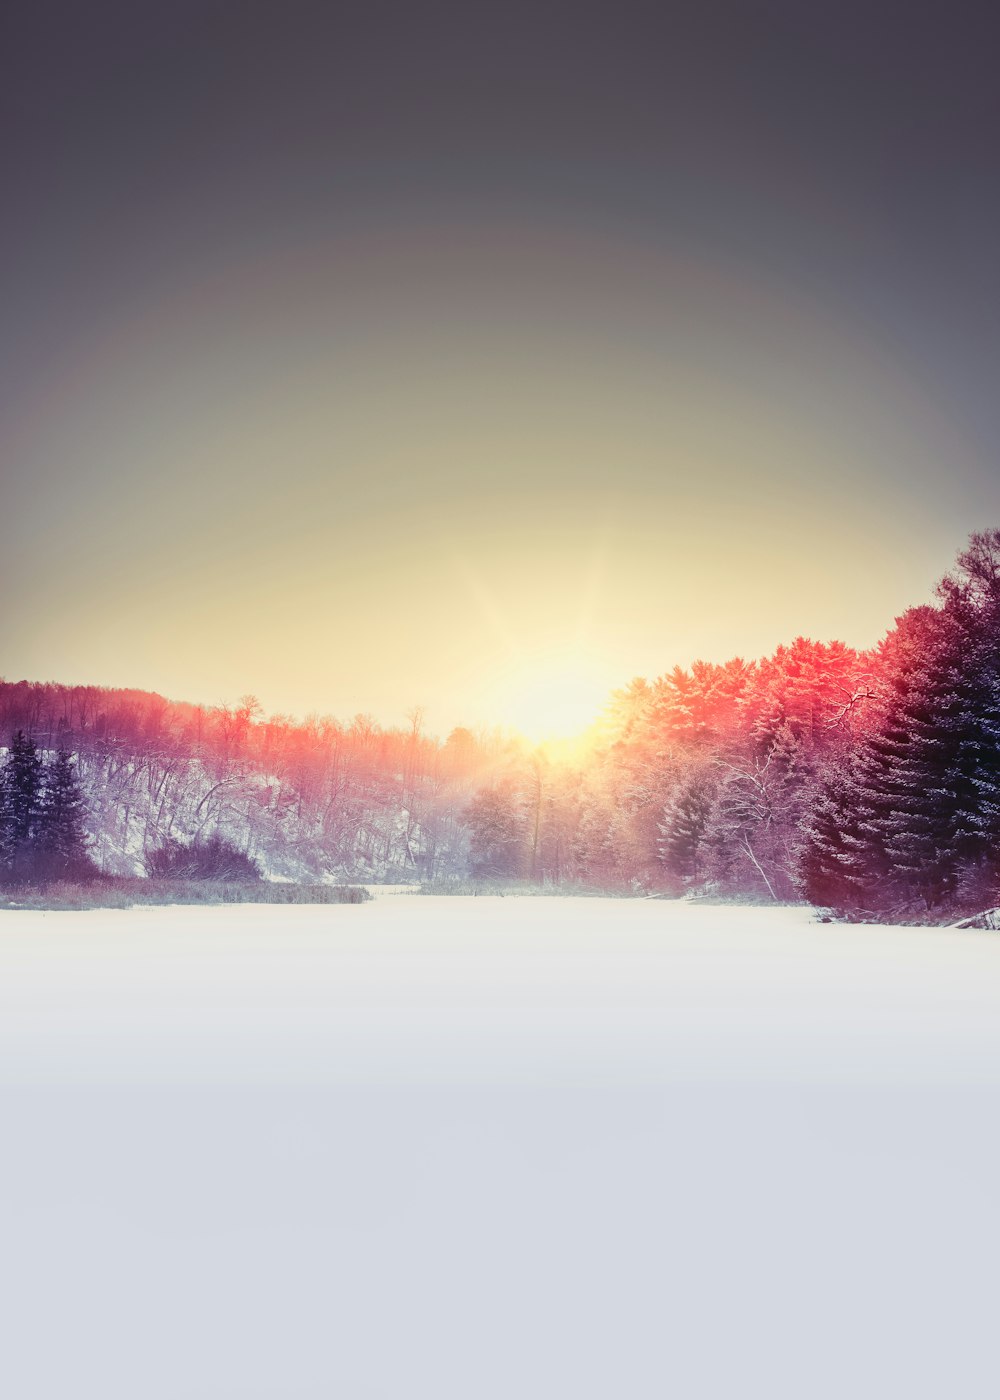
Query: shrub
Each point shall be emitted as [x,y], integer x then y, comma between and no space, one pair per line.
[207,858]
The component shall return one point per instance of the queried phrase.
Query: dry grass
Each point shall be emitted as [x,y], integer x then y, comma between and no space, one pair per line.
[113,892]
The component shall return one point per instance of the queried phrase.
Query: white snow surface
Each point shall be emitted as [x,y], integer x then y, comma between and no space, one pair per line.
[490,1148]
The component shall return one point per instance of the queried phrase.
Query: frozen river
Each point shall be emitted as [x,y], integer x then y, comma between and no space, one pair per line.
[496,1148]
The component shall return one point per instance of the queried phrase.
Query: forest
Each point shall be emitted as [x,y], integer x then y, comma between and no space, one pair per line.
[866,782]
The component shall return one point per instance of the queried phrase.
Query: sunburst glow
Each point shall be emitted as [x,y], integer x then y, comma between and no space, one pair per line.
[551,694]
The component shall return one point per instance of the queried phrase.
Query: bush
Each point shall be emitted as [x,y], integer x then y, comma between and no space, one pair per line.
[208,858]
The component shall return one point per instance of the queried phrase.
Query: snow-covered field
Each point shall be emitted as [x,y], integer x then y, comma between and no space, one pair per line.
[478,1149]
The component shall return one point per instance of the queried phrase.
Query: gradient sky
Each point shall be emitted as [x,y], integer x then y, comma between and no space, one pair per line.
[378,355]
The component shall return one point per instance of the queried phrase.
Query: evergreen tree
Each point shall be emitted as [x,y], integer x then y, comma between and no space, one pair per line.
[828,870]
[20,804]
[971,599]
[60,840]
[682,826]
[917,814]
[876,839]
[932,828]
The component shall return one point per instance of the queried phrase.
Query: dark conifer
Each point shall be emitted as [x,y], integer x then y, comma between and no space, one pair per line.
[829,870]
[20,804]
[915,814]
[61,843]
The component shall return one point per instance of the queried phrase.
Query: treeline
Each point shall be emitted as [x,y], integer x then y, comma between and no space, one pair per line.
[868,782]
[305,801]
[865,782]
[910,818]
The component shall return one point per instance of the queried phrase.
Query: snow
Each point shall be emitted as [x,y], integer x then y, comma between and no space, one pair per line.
[457,1147]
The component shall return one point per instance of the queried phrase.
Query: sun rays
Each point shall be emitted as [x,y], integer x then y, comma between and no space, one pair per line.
[551,684]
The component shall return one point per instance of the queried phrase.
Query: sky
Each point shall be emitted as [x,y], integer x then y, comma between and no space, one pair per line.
[479,358]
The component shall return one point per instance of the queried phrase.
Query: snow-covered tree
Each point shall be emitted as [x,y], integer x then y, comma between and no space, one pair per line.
[914,816]
[496,818]
[683,823]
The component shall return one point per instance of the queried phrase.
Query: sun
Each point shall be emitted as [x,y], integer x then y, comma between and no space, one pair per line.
[552,694]
[552,679]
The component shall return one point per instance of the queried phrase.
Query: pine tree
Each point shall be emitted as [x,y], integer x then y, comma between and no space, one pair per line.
[916,815]
[682,826]
[20,804]
[829,871]
[61,842]
[933,829]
